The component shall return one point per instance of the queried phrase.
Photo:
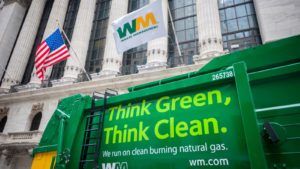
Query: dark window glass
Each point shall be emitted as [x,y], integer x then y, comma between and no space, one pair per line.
[178,3]
[228,2]
[190,10]
[190,34]
[250,9]
[239,24]
[71,15]
[224,26]
[189,2]
[179,13]
[230,13]
[95,54]
[189,23]
[35,124]
[222,15]
[2,123]
[243,23]
[239,35]
[38,39]
[238,1]
[232,25]
[135,56]
[221,4]
[241,11]
[179,25]
[185,23]
[252,21]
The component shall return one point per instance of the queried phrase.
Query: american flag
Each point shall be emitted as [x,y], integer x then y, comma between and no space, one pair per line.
[51,51]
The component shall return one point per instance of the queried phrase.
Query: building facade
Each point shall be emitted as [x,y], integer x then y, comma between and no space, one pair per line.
[204,29]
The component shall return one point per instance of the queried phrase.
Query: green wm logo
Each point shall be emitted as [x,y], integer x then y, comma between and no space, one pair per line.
[115,165]
[139,25]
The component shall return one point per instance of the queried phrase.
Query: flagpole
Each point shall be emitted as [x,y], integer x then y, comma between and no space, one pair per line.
[76,56]
[176,40]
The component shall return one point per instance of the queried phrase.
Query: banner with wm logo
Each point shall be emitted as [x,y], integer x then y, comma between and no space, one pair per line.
[139,27]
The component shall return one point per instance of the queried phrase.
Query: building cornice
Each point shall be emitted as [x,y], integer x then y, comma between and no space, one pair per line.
[120,83]
[24,3]
[4,110]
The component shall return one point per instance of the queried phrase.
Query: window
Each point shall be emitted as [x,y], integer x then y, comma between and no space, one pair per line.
[230,13]
[243,23]
[232,25]
[238,24]
[96,49]
[241,11]
[228,2]
[135,56]
[2,123]
[35,124]
[185,23]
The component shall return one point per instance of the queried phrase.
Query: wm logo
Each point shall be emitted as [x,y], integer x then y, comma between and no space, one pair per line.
[115,165]
[137,24]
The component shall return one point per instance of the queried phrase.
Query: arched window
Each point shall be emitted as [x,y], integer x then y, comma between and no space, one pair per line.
[2,123]
[35,124]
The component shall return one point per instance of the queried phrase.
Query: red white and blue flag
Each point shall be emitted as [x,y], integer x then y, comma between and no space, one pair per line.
[51,51]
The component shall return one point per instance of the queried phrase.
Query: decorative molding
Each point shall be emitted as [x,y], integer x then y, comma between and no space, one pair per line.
[200,61]
[11,81]
[19,139]
[206,57]
[112,60]
[156,51]
[63,81]
[210,41]
[153,66]
[8,154]
[105,74]
[4,110]
[9,151]
[73,68]
[28,87]
[38,107]
[24,3]
[87,87]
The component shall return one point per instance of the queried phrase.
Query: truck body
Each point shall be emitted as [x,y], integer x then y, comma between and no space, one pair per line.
[241,110]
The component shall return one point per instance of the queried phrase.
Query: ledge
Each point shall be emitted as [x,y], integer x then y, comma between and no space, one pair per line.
[20,140]
[120,83]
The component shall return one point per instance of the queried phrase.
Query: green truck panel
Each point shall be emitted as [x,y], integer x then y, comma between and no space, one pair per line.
[241,110]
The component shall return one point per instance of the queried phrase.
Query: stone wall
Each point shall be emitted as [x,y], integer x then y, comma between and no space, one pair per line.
[278,19]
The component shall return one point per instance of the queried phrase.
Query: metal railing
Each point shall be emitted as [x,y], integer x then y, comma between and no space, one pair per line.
[16,137]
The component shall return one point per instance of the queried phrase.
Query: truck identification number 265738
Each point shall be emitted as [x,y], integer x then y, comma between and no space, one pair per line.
[223,75]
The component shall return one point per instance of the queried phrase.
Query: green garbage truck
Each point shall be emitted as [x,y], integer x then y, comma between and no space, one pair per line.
[239,111]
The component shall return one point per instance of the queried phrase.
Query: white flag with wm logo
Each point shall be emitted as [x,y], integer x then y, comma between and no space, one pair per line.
[139,27]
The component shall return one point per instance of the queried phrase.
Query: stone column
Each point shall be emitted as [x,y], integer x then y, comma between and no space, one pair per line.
[23,47]
[80,41]
[209,28]
[157,49]
[112,61]
[11,18]
[58,14]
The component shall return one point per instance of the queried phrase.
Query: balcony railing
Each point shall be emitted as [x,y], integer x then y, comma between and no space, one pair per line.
[21,137]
